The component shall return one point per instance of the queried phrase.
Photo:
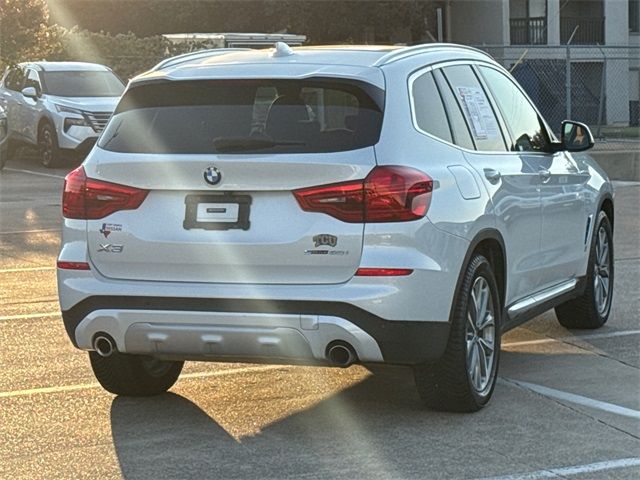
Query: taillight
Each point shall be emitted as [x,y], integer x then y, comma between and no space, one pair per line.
[340,200]
[90,199]
[388,194]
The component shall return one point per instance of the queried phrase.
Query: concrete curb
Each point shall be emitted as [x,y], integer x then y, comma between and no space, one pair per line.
[619,165]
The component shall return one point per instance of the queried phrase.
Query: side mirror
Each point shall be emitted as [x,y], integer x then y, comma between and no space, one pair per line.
[576,136]
[30,92]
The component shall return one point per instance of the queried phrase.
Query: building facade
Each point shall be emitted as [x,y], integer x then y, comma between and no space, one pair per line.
[593,45]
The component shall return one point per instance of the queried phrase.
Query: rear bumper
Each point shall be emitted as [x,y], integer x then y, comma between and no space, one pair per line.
[251,330]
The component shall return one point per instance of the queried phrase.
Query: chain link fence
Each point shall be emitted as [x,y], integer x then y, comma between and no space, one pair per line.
[595,85]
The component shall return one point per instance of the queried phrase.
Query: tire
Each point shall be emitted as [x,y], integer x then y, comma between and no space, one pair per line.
[134,375]
[50,154]
[591,309]
[450,384]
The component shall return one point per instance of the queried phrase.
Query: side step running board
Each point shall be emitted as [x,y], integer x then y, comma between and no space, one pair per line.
[531,302]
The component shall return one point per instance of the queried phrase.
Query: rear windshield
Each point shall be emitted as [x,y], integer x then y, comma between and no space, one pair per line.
[83,84]
[246,116]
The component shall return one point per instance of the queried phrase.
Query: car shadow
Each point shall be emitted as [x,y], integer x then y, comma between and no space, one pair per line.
[360,431]
[370,427]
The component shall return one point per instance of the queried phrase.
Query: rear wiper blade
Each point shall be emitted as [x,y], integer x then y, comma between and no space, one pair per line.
[248,143]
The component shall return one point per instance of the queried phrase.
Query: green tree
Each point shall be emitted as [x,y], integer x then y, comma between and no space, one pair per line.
[323,21]
[25,33]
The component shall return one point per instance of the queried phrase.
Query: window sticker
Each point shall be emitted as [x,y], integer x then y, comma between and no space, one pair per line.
[479,113]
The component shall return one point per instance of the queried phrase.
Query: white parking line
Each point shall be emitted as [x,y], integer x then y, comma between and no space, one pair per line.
[577,399]
[87,386]
[29,315]
[575,470]
[34,173]
[591,336]
[25,269]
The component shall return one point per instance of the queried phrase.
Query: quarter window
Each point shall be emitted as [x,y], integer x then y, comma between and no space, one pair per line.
[477,109]
[521,118]
[429,111]
[459,127]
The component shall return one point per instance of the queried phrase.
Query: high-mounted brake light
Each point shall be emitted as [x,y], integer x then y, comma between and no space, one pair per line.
[89,199]
[388,194]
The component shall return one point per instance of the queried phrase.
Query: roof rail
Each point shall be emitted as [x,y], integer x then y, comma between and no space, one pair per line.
[178,59]
[423,47]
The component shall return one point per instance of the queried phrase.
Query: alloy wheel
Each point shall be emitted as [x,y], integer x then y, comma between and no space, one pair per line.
[602,271]
[46,146]
[480,335]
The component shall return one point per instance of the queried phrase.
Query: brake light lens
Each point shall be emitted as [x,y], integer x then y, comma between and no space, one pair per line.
[343,201]
[89,199]
[388,194]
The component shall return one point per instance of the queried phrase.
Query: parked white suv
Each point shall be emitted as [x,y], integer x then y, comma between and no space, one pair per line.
[330,206]
[58,106]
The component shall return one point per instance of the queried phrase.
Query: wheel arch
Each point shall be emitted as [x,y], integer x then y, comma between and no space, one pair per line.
[606,205]
[46,119]
[490,243]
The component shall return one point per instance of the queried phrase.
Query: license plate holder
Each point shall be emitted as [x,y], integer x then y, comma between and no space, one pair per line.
[217,212]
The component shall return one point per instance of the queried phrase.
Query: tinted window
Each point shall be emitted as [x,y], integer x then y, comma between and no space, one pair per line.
[32,80]
[83,84]
[14,79]
[428,110]
[521,118]
[246,116]
[459,127]
[475,105]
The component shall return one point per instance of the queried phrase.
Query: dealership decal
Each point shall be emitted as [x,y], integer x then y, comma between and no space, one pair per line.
[107,228]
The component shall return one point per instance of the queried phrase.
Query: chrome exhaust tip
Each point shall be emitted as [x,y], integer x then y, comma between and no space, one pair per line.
[341,355]
[104,345]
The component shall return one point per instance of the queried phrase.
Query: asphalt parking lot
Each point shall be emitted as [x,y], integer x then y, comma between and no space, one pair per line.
[567,404]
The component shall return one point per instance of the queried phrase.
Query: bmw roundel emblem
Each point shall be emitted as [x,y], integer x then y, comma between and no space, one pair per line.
[212,176]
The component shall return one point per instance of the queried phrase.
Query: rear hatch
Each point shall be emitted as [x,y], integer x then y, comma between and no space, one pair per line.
[218,162]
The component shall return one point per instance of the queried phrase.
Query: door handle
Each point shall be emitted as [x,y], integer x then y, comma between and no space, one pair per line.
[545,175]
[492,175]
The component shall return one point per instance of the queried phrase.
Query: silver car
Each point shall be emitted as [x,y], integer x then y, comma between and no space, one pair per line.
[60,107]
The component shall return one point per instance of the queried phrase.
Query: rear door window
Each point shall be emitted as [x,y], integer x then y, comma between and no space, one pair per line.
[428,110]
[246,116]
[477,110]
[15,79]
[459,127]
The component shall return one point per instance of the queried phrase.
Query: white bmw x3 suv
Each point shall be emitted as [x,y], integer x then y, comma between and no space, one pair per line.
[330,206]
